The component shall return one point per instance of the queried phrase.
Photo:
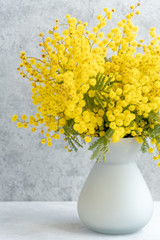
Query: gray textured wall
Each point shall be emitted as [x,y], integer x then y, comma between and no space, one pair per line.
[29,170]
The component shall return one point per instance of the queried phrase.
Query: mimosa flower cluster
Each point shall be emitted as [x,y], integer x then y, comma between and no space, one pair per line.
[81,93]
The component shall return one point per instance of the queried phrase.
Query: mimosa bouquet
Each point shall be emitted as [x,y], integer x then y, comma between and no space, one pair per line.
[82,93]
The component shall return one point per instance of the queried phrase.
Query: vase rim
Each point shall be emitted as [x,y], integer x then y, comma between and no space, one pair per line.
[123,140]
[131,138]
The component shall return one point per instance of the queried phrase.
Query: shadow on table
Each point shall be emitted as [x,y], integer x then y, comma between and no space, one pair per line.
[79,229]
[73,227]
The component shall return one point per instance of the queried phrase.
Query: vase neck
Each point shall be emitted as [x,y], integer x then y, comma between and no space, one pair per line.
[123,151]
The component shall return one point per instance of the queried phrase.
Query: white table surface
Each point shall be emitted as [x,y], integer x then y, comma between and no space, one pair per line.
[59,220]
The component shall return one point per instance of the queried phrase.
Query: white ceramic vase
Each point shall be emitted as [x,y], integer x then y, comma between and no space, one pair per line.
[115,198]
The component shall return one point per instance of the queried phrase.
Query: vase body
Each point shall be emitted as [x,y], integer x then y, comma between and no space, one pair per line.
[115,198]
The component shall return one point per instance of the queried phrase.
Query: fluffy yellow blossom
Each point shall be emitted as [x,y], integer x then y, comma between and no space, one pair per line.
[92,81]
[89,84]
[150,150]
[33,61]
[87,139]
[33,129]
[57,136]
[24,117]
[49,144]
[43,141]
[61,131]
[14,118]
[19,124]
[24,125]
[139,139]
[153,141]
[101,34]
